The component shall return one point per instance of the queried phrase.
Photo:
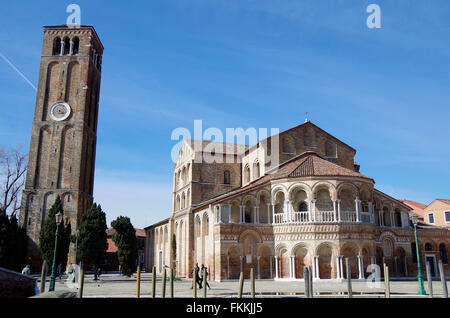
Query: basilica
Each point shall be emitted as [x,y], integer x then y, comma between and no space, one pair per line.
[310,207]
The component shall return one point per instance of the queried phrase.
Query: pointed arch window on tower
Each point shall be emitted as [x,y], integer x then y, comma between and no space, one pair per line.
[247,174]
[57,46]
[226,177]
[76,46]
[256,170]
[66,46]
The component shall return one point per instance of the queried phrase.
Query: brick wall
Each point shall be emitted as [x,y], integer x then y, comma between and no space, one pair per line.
[15,285]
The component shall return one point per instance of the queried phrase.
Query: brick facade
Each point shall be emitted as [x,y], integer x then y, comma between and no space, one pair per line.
[313,209]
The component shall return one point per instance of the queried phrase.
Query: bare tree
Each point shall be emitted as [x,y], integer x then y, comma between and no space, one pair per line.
[13,166]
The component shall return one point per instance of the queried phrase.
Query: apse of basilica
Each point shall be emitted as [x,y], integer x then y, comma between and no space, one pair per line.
[314,208]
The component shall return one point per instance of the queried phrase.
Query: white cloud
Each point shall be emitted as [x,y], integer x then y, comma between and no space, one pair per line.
[145,203]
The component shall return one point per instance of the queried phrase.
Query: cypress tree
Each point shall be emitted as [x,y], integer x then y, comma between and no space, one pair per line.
[92,240]
[127,244]
[48,234]
[13,243]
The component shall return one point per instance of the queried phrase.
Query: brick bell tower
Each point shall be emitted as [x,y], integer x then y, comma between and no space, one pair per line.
[64,134]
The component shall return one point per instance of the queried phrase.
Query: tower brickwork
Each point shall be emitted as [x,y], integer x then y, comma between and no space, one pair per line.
[64,132]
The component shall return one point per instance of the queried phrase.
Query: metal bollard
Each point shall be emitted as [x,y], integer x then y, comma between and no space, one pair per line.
[154,282]
[194,283]
[80,291]
[43,277]
[171,282]
[349,277]
[252,283]
[163,289]
[429,279]
[306,279]
[204,282]
[387,292]
[443,280]
[241,285]
[138,282]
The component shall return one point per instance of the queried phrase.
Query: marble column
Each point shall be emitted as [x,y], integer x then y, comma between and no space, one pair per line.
[229,212]
[338,268]
[268,213]
[290,266]
[361,267]
[338,201]
[334,210]
[316,262]
[357,205]
[293,266]
[313,207]
[273,213]
[255,214]
[276,267]
[220,213]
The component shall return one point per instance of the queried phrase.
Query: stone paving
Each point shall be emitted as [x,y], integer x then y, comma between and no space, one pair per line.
[115,285]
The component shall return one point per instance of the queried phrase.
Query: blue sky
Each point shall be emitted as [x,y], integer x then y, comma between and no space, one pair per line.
[246,64]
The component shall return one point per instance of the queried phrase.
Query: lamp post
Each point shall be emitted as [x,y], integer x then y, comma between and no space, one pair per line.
[419,268]
[52,276]
[77,234]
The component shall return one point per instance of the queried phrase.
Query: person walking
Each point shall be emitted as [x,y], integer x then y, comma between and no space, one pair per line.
[59,271]
[205,275]
[195,274]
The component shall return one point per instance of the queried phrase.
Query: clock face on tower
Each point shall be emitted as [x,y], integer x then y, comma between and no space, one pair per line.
[60,111]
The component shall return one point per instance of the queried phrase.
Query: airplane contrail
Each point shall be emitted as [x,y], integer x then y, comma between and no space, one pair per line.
[17,71]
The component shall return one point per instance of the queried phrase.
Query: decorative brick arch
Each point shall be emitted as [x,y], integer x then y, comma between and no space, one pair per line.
[347,185]
[250,232]
[301,186]
[323,185]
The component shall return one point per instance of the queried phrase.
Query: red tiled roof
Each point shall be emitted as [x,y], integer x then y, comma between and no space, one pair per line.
[444,200]
[308,164]
[218,147]
[305,124]
[139,232]
[413,204]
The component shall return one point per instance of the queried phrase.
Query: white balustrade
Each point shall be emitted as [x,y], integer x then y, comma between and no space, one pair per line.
[365,217]
[324,216]
[348,216]
[301,217]
[279,218]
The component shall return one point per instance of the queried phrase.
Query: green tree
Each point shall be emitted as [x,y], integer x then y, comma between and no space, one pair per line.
[92,240]
[48,234]
[13,243]
[174,246]
[127,244]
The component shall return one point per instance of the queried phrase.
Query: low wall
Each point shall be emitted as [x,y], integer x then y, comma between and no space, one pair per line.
[16,285]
